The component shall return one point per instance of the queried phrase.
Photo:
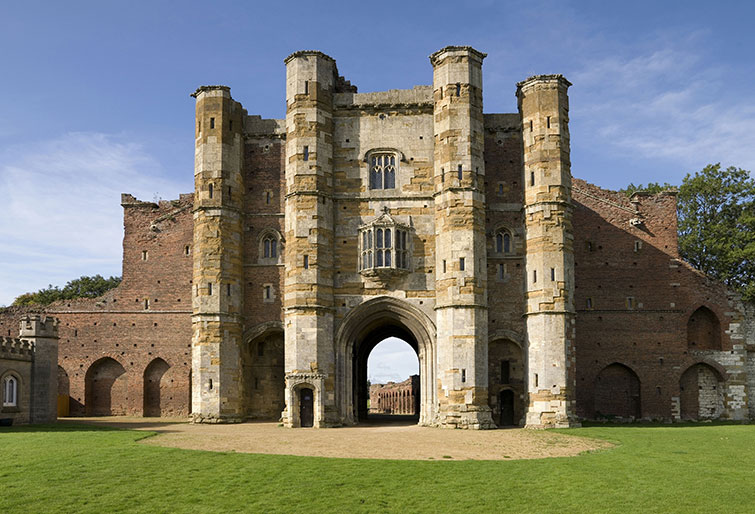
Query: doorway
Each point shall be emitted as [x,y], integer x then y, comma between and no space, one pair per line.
[507,408]
[306,407]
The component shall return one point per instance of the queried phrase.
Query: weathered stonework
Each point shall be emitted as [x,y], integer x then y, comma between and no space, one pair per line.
[530,297]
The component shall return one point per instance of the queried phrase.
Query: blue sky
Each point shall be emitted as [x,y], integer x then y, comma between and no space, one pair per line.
[96,95]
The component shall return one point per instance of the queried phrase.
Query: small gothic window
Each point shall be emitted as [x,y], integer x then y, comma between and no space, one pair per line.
[503,242]
[383,171]
[10,391]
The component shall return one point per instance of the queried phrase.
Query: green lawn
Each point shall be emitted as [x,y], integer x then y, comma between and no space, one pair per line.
[74,468]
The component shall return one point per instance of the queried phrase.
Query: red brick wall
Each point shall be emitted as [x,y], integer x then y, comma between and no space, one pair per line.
[648,336]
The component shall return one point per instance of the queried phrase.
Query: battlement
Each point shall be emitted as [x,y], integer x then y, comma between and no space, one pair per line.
[542,78]
[224,90]
[307,53]
[16,349]
[39,326]
[452,49]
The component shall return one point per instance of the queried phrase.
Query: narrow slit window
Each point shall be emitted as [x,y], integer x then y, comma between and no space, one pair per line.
[548,121]
[534,276]
[268,292]
[210,384]
[444,265]
[306,262]
[501,272]
[306,87]
[210,190]
[144,255]
[268,196]
[212,123]
[229,192]
[461,264]
[637,246]
[589,303]
[187,250]
[505,372]
[306,153]
[442,175]
[146,304]
[228,289]
[500,189]
[209,288]
[553,274]
[463,375]
[458,89]
[536,380]
[230,125]
[531,129]
[532,178]
[459,171]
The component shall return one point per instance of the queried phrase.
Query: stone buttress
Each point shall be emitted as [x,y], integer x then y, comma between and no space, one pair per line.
[217,290]
[461,263]
[549,278]
[308,289]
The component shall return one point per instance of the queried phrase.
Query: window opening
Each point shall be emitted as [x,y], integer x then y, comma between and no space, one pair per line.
[306,87]
[306,153]
[444,265]
[463,375]
[459,172]
[589,303]
[501,271]
[532,178]
[306,262]
[10,391]
[144,255]
[209,288]
[268,292]
[383,171]
[505,372]
[458,89]
[461,264]
[534,275]
[187,250]
[553,274]
[146,304]
[270,247]
[500,189]
[548,121]
[209,189]
[212,123]
[228,289]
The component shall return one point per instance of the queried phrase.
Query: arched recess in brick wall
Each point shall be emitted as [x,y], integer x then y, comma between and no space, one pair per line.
[64,392]
[506,373]
[701,389]
[617,393]
[703,330]
[264,373]
[157,393]
[106,388]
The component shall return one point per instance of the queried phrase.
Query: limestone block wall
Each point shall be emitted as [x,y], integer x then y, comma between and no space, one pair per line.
[218,272]
[461,259]
[308,293]
[549,282]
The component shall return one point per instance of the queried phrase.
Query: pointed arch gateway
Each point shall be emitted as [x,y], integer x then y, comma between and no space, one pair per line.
[360,331]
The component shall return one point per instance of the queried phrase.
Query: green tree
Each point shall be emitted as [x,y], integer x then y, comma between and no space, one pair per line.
[82,287]
[716,209]
[652,187]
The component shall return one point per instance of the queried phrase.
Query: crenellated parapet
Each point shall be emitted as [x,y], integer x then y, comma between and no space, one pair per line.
[39,326]
[12,348]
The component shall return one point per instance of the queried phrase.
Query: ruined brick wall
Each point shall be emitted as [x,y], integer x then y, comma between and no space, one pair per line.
[395,398]
[635,297]
[146,318]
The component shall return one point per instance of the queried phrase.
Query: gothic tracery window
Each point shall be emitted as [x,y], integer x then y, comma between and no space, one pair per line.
[503,242]
[10,391]
[384,245]
[382,171]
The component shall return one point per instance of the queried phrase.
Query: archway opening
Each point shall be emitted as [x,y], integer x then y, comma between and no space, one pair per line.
[264,375]
[106,388]
[701,393]
[156,396]
[393,385]
[360,332]
[617,393]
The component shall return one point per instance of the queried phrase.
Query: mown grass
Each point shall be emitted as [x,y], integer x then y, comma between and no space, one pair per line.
[75,468]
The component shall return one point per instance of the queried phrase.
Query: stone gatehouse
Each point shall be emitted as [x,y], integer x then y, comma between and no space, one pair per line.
[529,297]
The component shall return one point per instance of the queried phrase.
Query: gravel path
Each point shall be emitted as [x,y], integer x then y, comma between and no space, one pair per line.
[400,441]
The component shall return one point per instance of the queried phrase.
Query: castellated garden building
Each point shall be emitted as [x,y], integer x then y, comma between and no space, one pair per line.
[530,297]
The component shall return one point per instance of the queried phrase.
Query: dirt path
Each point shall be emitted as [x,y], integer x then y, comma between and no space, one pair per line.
[389,441]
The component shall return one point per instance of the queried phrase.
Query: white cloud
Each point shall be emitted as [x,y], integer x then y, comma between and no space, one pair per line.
[62,216]
[665,104]
[392,360]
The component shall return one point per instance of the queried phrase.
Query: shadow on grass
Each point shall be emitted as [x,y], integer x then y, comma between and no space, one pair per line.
[660,424]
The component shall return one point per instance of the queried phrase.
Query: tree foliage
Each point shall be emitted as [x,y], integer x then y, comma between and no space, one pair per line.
[651,187]
[716,209]
[82,287]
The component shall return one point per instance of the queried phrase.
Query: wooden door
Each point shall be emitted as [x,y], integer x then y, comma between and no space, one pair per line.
[306,407]
[507,408]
